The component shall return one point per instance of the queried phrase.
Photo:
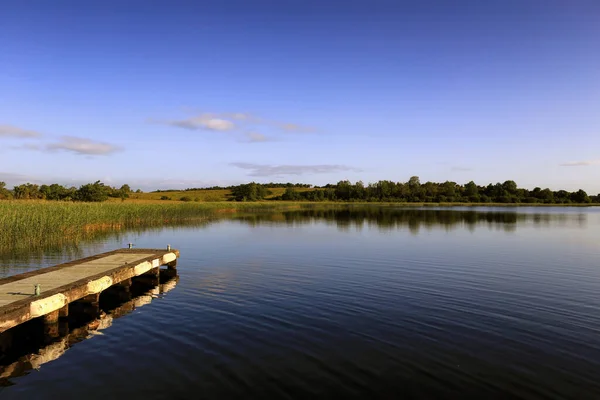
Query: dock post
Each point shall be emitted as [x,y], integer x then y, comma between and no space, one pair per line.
[172,264]
[124,285]
[91,304]
[151,278]
[123,290]
[64,312]
[51,326]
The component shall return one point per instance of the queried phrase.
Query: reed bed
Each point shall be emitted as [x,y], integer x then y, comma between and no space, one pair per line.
[36,224]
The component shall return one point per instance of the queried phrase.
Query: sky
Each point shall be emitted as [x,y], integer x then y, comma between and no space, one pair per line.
[178,94]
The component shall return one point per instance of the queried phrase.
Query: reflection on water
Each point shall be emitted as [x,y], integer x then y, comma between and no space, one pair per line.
[89,243]
[346,302]
[344,217]
[28,347]
[393,218]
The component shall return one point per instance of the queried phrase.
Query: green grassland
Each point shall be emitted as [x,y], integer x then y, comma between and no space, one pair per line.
[204,195]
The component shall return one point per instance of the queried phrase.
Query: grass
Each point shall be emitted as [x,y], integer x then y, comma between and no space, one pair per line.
[37,224]
[207,195]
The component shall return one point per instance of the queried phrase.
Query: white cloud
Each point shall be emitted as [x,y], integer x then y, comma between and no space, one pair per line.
[281,170]
[82,146]
[580,163]
[204,121]
[13,131]
[235,121]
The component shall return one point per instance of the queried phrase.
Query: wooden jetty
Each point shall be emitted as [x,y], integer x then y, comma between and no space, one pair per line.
[48,292]
[57,346]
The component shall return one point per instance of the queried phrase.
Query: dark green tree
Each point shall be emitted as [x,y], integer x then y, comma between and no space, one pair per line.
[471,192]
[580,197]
[249,192]
[27,191]
[4,192]
[94,192]
[291,194]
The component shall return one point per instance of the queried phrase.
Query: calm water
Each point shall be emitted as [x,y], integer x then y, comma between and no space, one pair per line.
[372,303]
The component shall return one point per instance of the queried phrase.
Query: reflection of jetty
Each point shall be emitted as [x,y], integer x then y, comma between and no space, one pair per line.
[49,346]
[50,292]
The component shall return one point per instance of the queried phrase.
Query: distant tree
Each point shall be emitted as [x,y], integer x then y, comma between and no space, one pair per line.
[249,192]
[449,190]
[472,192]
[186,198]
[546,196]
[27,191]
[580,197]
[510,187]
[358,191]
[4,193]
[414,188]
[56,192]
[414,182]
[93,192]
[290,194]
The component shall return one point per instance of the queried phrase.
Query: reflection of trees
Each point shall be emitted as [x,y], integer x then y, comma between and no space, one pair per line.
[390,218]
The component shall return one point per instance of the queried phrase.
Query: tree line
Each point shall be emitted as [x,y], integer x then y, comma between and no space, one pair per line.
[412,191]
[431,192]
[91,192]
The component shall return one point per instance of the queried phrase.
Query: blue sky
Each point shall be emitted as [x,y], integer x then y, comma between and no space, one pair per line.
[178,93]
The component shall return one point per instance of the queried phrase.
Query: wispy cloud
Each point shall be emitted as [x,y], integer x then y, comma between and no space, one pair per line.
[14,131]
[12,179]
[210,122]
[580,163]
[235,121]
[294,128]
[28,146]
[82,146]
[256,137]
[281,170]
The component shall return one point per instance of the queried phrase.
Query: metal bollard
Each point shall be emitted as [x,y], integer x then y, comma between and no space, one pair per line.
[37,289]
[130,245]
[168,247]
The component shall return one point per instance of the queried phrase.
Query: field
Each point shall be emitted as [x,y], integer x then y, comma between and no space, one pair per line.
[207,195]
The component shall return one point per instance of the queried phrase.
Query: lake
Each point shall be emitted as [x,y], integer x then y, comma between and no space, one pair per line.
[370,302]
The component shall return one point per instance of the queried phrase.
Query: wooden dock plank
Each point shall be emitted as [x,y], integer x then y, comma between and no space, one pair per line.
[18,290]
[71,281]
